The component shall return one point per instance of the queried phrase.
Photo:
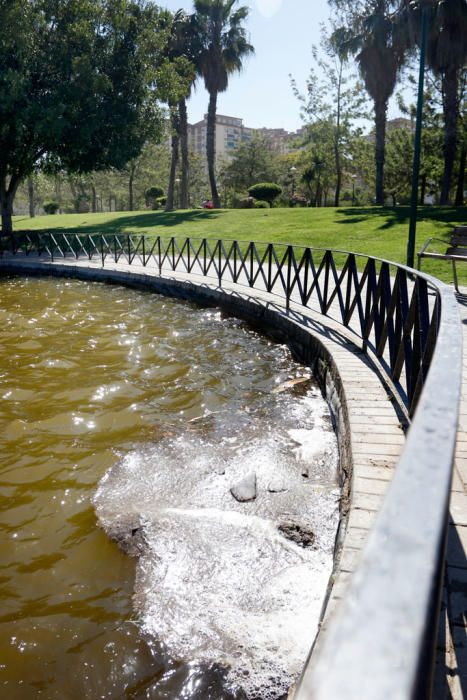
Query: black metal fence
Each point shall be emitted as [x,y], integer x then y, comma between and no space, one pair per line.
[382,643]
[393,311]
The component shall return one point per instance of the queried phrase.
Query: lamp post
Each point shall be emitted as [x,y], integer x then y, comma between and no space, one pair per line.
[417,142]
[177,192]
[292,171]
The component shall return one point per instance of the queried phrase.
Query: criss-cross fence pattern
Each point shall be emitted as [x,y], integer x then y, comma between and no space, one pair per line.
[381,644]
[395,316]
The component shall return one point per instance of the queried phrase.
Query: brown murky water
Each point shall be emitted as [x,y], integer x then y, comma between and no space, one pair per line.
[89,374]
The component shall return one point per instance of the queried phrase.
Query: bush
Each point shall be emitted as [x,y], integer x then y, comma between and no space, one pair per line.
[151,195]
[51,207]
[261,204]
[161,201]
[267,191]
[245,203]
[298,200]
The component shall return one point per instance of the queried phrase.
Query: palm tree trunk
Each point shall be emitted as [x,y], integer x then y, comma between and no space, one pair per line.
[32,212]
[450,108]
[337,141]
[169,205]
[184,199]
[211,148]
[459,201]
[380,146]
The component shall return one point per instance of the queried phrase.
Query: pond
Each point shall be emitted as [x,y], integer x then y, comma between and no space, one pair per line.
[198,445]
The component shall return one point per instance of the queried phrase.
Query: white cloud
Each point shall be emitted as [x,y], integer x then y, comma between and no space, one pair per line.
[268,8]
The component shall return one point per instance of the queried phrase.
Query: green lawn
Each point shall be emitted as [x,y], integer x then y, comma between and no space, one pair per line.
[377,231]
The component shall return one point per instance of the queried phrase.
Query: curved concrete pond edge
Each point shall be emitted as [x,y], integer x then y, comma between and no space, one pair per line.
[368,417]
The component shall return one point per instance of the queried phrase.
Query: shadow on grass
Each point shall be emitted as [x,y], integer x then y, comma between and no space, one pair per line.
[446,216]
[149,220]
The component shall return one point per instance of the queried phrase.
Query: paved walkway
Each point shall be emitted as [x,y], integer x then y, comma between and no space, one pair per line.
[451,676]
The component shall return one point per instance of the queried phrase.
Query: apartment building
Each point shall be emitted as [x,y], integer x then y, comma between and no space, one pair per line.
[231,132]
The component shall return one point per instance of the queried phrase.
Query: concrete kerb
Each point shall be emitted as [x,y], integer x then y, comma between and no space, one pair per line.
[367,413]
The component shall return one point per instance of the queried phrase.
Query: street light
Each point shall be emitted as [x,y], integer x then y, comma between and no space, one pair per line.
[417,142]
[177,192]
[292,171]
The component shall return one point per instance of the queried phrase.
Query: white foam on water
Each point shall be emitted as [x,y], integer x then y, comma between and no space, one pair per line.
[217,580]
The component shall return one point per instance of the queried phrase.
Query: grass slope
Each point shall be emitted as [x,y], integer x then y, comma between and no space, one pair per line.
[377,231]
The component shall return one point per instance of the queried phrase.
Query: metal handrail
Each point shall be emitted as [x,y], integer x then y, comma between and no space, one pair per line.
[381,643]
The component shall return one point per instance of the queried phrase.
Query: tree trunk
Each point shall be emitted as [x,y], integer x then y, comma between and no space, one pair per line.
[337,141]
[7,196]
[94,199]
[211,148]
[183,120]
[130,186]
[169,205]
[422,189]
[58,192]
[459,201]
[32,212]
[380,146]
[450,109]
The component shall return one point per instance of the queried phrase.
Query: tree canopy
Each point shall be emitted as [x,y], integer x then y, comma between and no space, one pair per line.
[76,86]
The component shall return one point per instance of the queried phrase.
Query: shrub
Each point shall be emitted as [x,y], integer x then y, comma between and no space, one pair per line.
[267,191]
[161,201]
[298,200]
[261,204]
[245,203]
[51,207]
[151,195]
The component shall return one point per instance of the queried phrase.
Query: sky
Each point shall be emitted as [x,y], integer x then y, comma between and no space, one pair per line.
[282,32]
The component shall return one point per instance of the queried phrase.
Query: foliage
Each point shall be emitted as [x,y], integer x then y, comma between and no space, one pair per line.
[446,55]
[330,106]
[298,200]
[244,203]
[261,204]
[370,32]
[72,72]
[51,207]
[398,179]
[266,191]
[153,195]
[224,47]
[252,161]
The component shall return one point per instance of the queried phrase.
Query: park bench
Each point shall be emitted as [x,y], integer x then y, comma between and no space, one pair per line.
[456,252]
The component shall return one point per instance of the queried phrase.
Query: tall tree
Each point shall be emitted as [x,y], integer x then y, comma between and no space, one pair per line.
[370,34]
[224,47]
[189,40]
[334,100]
[252,162]
[447,57]
[73,73]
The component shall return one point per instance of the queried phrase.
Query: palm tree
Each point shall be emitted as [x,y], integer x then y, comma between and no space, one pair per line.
[446,56]
[177,75]
[190,46]
[224,47]
[371,36]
